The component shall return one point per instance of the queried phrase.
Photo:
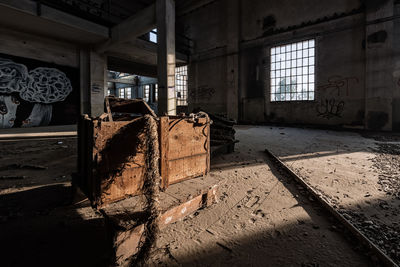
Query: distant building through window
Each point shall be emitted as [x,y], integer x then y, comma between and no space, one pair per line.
[181,85]
[293,72]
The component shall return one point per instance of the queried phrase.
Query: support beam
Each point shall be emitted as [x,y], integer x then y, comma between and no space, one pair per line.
[46,21]
[166,57]
[380,83]
[93,72]
[136,25]
[142,52]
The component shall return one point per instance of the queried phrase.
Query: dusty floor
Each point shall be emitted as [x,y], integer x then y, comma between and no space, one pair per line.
[358,175]
[262,218]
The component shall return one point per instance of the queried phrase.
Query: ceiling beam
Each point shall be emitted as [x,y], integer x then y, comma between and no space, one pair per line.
[138,24]
[122,65]
[44,20]
[130,81]
[141,51]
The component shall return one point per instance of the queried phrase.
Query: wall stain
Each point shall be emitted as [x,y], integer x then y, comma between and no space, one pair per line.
[377,37]
[202,92]
[377,120]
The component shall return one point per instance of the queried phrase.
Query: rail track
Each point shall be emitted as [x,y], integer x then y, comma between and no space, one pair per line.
[367,244]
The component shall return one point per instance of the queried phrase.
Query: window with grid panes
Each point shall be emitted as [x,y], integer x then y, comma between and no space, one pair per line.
[128,92]
[146,92]
[293,72]
[181,85]
[122,93]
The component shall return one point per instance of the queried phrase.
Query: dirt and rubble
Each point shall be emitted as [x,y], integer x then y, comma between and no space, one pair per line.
[261,218]
[357,174]
[387,164]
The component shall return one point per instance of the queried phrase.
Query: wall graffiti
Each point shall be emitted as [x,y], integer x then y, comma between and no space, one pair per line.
[336,87]
[338,84]
[202,92]
[27,97]
[330,108]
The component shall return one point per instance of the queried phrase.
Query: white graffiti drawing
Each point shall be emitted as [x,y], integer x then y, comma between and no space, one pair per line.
[8,110]
[13,77]
[42,86]
[40,115]
[45,87]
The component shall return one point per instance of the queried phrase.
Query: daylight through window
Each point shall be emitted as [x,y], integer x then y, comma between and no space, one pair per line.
[293,71]
[146,93]
[122,93]
[181,85]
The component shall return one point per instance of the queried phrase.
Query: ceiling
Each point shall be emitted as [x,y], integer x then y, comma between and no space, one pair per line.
[111,12]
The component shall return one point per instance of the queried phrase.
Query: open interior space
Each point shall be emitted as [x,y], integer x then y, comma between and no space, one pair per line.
[199,133]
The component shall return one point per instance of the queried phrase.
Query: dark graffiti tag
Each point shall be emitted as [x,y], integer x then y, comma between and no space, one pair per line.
[337,83]
[330,108]
[202,92]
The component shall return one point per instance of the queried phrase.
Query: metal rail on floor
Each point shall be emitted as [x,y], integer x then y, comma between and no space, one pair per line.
[360,236]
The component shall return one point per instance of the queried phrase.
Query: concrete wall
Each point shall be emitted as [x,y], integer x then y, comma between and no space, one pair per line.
[207,69]
[351,72]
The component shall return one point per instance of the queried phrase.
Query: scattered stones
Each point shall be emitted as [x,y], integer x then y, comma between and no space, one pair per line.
[387,163]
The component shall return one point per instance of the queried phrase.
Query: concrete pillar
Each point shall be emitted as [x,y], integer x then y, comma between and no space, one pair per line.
[93,82]
[232,60]
[84,67]
[379,83]
[98,83]
[165,11]
[396,72]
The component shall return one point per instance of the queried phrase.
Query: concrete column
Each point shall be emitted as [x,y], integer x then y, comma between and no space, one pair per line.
[84,67]
[232,60]
[98,83]
[93,82]
[379,83]
[396,72]
[165,11]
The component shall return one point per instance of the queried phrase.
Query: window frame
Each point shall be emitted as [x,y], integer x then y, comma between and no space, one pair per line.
[183,85]
[315,71]
[146,99]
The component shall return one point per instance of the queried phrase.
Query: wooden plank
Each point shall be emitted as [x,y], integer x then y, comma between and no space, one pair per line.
[187,138]
[107,102]
[126,243]
[128,183]
[186,168]
[164,150]
[177,213]
[208,149]
[118,161]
